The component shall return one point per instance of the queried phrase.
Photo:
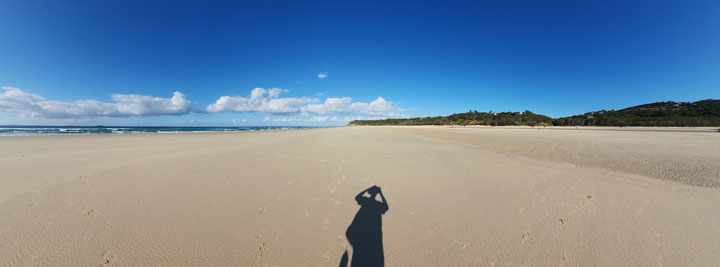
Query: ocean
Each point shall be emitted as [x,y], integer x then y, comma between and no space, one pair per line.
[80,130]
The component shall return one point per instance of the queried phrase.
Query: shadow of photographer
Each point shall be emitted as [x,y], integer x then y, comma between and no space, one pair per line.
[365,232]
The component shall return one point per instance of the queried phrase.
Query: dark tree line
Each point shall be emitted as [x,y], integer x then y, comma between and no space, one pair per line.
[468,118]
[700,113]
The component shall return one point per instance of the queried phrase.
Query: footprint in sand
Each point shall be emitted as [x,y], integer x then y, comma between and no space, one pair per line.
[262,209]
[108,258]
[258,254]
[462,245]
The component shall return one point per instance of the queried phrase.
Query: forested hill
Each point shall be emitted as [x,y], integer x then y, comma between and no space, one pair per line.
[468,118]
[700,113]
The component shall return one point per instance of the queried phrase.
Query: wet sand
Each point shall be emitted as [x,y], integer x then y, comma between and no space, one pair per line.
[455,196]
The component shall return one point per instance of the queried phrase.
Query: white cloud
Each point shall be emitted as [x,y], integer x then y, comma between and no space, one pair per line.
[267,101]
[378,107]
[352,118]
[319,119]
[315,120]
[270,102]
[26,104]
[331,105]
[259,102]
[344,105]
[322,75]
[286,119]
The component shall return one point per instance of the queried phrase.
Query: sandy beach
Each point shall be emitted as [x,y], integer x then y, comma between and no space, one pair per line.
[482,196]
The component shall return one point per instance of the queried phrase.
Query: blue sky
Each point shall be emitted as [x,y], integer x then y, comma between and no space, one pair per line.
[120,62]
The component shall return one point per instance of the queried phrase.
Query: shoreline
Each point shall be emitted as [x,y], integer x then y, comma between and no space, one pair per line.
[578,128]
[280,128]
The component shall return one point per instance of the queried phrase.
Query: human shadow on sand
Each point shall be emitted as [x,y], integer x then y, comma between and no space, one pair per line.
[365,231]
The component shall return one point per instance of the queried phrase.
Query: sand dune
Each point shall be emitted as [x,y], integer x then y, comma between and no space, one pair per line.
[456,197]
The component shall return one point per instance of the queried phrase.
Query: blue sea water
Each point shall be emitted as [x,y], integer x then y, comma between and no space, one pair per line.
[65,130]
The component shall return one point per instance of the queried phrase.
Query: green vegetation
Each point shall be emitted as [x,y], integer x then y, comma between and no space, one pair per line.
[700,113]
[468,118]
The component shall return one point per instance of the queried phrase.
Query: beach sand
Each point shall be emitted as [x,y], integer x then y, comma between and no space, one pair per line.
[456,197]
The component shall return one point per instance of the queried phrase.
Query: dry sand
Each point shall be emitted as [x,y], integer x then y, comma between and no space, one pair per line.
[457,197]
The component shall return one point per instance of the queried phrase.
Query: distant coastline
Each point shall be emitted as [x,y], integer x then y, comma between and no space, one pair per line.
[704,113]
[25,130]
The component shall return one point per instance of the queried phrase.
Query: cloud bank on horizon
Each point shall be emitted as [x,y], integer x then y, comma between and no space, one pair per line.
[265,101]
[270,102]
[29,105]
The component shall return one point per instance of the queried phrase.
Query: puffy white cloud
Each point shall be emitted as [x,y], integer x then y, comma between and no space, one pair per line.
[286,120]
[322,75]
[319,119]
[314,120]
[378,107]
[270,102]
[344,105]
[259,102]
[331,105]
[266,101]
[26,104]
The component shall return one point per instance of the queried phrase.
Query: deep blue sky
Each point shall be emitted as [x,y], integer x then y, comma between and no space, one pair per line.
[429,58]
